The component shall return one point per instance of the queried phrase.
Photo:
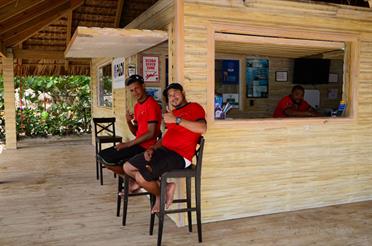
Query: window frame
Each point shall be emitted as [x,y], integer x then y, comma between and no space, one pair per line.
[99,102]
[351,61]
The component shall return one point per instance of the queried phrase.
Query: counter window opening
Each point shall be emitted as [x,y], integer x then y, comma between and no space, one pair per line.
[104,81]
[251,78]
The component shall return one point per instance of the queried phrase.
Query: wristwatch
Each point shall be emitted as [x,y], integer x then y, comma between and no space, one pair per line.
[178,120]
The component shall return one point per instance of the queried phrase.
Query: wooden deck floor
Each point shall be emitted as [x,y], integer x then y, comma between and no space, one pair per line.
[49,196]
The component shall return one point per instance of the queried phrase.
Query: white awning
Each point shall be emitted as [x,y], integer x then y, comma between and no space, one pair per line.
[91,42]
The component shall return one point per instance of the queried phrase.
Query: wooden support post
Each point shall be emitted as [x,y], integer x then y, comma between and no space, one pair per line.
[68,34]
[370,3]
[2,50]
[179,41]
[9,102]
[119,10]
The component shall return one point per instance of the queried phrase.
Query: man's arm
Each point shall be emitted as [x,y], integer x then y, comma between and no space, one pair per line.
[132,127]
[151,131]
[199,126]
[295,113]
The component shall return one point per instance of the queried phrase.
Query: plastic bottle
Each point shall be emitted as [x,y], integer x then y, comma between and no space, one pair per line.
[341,108]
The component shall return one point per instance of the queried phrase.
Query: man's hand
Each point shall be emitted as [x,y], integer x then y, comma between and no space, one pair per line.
[129,116]
[169,118]
[148,154]
[121,146]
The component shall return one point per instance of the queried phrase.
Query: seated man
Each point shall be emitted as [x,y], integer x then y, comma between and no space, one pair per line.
[185,124]
[294,105]
[146,128]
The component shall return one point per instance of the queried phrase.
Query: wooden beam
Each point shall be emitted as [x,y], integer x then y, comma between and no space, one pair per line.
[15,8]
[68,33]
[2,50]
[26,30]
[38,54]
[27,15]
[119,10]
[277,41]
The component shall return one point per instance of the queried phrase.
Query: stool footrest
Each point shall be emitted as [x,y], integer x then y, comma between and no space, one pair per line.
[181,210]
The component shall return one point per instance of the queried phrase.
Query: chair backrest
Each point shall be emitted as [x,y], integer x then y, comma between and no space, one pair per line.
[199,156]
[104,126]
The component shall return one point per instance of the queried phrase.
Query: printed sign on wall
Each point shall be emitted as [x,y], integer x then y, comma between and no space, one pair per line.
[118,78]
[151,68]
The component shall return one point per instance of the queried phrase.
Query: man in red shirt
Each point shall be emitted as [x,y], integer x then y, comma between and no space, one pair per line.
[294,105]
[144,124]
[185,124]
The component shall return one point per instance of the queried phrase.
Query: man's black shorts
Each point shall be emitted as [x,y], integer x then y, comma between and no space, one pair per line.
[163,160]
[114,157]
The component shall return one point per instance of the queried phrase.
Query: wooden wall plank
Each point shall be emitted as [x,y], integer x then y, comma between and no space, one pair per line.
[272,165]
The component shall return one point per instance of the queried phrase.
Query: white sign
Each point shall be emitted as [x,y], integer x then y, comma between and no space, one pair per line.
[118,78]
[131,70]
[151,68]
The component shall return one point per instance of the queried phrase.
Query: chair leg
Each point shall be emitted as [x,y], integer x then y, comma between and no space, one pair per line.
[163,187]
[97,163]
[152,218]
[100,173]
[118,198]
[100,164]
[198,209]
[125,200]
[188,196]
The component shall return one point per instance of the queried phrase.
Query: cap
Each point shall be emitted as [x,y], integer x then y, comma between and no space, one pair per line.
[175,86]
[134,78]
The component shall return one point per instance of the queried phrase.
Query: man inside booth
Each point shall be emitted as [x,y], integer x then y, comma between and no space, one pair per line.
[294,105]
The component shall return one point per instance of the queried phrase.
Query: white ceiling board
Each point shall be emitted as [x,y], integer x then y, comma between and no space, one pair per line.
[94,42]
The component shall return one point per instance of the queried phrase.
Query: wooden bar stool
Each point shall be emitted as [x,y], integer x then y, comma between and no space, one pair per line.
[104,131]
[193,171]
[123,193]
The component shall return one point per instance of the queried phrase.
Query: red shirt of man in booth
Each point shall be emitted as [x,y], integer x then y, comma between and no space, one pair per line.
[294,105]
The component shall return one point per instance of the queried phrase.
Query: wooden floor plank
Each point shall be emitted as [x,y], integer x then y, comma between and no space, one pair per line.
[49,196]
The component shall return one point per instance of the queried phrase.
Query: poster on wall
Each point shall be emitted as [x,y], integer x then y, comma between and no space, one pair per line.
[150,68]
[230,72]
[155,92]
[131,69]
[257,77]
[118,78]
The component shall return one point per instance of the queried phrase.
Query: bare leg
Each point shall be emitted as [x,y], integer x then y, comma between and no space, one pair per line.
[131,171]
[116,169]
[171,188]
[152,187]
[133,186]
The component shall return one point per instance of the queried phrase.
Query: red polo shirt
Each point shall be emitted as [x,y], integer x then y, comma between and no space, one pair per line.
[180,139]
[147,112]
[286,103]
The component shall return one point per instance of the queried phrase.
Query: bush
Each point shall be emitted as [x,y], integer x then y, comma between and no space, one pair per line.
[50,105]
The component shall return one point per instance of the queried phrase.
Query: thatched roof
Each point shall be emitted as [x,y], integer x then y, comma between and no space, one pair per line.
[38,31]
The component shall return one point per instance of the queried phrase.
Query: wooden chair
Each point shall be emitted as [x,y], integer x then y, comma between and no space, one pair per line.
[104,132]
[123,193]
[193,171]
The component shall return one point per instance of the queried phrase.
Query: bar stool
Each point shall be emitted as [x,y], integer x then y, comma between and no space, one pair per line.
[104,131]
[123,185]
[193,171]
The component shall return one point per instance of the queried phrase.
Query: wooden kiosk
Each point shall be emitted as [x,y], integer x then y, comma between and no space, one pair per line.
[255,166]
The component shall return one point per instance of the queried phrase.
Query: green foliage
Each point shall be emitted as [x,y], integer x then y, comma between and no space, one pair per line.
[52,105]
